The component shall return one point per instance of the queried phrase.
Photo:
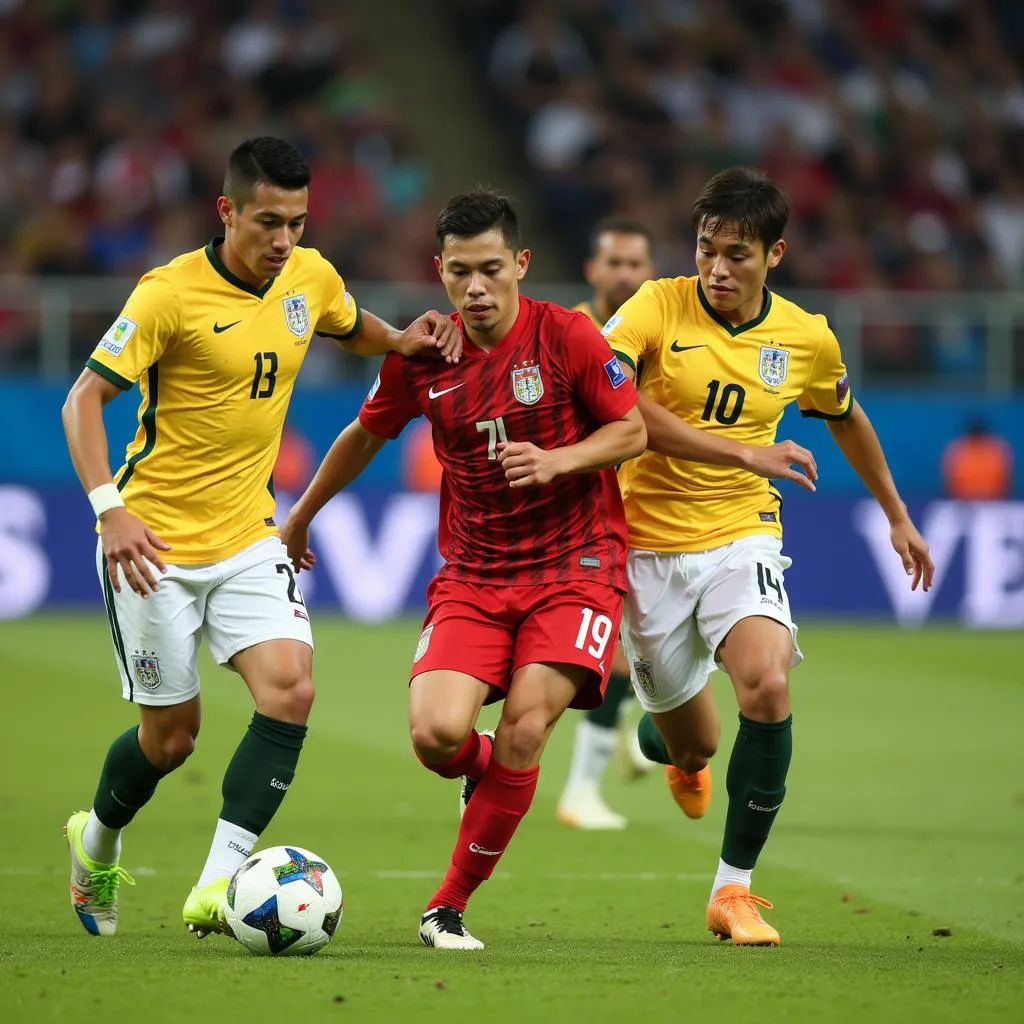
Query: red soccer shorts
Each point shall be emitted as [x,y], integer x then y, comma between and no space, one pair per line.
[489,631]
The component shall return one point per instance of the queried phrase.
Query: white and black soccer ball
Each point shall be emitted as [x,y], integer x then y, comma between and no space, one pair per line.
[284,901]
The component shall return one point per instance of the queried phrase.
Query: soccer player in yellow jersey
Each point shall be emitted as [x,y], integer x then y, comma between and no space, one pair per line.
[188,542]
[722,354]
[620,261]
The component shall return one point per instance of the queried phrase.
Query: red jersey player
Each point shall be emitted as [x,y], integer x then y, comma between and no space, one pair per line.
[527,428]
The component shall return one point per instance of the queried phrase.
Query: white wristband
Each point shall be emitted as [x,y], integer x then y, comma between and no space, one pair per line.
[104,498]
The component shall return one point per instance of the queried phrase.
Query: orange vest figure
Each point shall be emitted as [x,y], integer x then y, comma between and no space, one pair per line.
[978,466]
[420,469]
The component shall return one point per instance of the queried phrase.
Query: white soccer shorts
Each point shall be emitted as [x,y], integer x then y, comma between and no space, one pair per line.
[244,600]
[681,606]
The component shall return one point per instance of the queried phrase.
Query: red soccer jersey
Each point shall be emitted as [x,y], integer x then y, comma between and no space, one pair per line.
[551,380]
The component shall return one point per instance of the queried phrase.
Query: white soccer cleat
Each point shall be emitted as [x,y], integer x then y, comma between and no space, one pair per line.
[582,807]
[442,928]
[93,885]
[468,784]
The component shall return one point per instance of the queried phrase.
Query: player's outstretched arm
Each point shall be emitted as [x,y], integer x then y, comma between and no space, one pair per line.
[668,435]
[526,465]
[350,454]
[432,333]
[127,541]
[859,443]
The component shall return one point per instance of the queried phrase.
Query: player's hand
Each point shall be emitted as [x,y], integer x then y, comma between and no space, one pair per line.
[912,548]
[295,537]
[129,543]
[432,333]
[776,462]
[526,465]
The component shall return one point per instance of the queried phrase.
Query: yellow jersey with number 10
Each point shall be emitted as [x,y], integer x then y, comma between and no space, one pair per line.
[729,380]
[216,360]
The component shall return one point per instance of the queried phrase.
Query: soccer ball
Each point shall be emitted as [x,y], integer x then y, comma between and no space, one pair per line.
[284,901]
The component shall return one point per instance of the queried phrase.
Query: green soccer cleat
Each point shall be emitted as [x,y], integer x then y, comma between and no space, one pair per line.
[93,886]
[203,912]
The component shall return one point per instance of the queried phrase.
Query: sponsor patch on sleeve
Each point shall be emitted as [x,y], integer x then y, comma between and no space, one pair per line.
[118,335]
[613,322]
[842,388]
[614,371]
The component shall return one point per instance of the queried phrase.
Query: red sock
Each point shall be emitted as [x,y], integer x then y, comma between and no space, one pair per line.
[501,799]
[472,759]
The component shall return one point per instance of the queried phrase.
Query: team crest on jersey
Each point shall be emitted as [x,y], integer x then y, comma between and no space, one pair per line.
[527,385]
[296,315]
[644,674]
[424,643]
[147,670]
[773,365]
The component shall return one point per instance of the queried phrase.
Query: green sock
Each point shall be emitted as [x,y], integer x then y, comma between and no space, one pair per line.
[651,742]
[756,782]
[261,772]
[127,781]
[606,715]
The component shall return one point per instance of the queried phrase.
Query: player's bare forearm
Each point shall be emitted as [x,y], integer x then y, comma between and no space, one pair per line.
[351,453]
[859,443]
[668,435]
[376,337]
[86,435]
[609,445]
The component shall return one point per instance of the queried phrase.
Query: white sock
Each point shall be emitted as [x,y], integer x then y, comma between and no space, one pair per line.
[591,754]
[728,875]
[230,848]
[100,843]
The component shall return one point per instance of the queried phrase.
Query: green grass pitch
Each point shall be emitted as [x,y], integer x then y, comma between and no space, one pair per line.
[904,821]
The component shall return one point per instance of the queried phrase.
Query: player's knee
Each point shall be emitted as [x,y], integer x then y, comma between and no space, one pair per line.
[174,748]
[524,738]
[768,699]
[437,739]
[289,701]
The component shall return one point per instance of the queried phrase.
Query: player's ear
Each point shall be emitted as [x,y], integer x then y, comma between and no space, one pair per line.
[588,267]
[775,253]
[225,209]
[438,268]
[522,262]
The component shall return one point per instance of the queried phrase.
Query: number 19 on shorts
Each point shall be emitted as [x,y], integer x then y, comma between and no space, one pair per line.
[595,632]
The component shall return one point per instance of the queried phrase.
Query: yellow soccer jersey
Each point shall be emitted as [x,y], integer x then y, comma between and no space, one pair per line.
[216,361]
[732,380]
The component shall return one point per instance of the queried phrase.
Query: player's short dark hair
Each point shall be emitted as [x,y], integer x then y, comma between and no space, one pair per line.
[746,197]
[619,226]
[264,160]
[474,212]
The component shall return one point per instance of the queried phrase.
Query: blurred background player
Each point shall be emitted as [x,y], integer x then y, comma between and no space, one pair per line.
[528,428]
[620,261]
[978,465]
[706,571]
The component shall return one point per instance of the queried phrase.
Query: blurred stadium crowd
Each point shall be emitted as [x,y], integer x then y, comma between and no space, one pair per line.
[896,125]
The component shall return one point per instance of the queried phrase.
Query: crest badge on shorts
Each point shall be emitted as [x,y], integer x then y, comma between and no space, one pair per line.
[527,385]
[296,315]
[424,643]
[644,674]
[773,365]
[147,670]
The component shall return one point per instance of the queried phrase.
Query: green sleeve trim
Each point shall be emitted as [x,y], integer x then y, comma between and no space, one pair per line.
[626,359]
[108,374]
[815,414]
[348,335]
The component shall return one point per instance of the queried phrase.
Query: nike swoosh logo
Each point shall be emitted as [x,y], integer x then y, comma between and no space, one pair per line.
[676,347]
[437,394]
[218,329]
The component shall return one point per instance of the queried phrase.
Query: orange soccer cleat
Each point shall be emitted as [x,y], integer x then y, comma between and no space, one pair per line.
[733,914]
[691,792]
